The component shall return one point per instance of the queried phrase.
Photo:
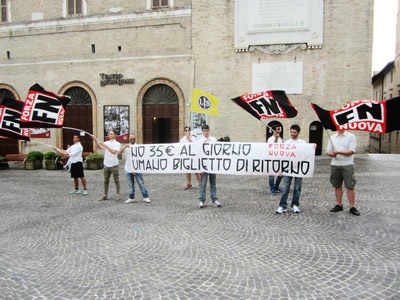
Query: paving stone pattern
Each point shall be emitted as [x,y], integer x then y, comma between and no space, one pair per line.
[59,246]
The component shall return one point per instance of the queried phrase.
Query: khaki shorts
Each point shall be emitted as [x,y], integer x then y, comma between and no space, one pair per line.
[340,174]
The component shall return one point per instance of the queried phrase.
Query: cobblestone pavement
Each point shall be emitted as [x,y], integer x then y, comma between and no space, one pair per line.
[59,246]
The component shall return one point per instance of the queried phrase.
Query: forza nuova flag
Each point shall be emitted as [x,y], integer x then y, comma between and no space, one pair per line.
[362,115]
[203,102]
[43,109]
[265,105]
[10,120]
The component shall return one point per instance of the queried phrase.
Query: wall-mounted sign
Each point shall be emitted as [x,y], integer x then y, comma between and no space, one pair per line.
[114,79]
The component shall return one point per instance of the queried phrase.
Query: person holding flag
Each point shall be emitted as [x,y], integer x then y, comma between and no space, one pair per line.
[111,162]
[76,164]
[341,147]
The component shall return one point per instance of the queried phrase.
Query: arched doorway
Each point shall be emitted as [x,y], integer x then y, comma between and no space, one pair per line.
[269,130]
[7,145]
[160,115]
[316,132]
[78,115]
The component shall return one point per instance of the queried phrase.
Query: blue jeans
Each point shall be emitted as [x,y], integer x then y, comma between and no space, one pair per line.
[213,187]
[131,184]
[287,180]
[277,182]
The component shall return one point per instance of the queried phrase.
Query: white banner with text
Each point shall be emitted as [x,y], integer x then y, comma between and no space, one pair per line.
[223,158]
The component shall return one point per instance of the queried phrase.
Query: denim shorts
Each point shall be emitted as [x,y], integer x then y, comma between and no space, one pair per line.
[340,174]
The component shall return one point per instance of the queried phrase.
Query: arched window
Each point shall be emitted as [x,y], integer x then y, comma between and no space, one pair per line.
[79,96]
[160,94]
[4,93]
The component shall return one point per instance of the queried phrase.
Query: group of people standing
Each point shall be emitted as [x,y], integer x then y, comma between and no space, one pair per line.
[341,148]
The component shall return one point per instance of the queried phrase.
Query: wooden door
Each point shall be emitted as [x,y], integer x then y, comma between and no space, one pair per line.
[160,123]
[80,117]
[8,146]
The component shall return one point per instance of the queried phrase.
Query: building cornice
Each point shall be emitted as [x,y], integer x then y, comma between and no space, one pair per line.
[11,29]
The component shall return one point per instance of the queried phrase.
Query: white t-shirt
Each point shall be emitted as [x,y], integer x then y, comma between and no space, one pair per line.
[298,141]
[111,160]
[210,139]
[128,166]
[271,140]
[185,139]
[346,141]
[75,153]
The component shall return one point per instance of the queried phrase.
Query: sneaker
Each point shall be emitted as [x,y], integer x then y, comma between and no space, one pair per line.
[103,198]
[85,193]
[281,210]
[217,204]
[201,204]
[188,186]
[337,208]
[147,200]
[354,211]
[278,190]
[117,197]
[130,200]
[296,209]
[75,192]
[272,191]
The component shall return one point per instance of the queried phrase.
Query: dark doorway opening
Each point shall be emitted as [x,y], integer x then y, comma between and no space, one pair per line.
[316,131]
[162,130]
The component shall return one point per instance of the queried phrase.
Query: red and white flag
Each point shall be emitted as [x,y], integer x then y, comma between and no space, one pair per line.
[43,109]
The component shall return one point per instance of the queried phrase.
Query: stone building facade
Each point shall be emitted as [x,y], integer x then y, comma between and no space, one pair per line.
[165,48]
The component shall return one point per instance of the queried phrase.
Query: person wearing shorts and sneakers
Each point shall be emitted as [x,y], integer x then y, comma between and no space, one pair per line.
[131,176]
[341,148]
[187,138]
[206,138]
[76,164]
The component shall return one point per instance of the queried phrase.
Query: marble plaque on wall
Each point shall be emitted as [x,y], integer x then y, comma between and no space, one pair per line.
[286,76]
[271,22]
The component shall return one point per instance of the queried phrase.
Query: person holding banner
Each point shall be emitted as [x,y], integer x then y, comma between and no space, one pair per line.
[206,138]
[287,180]
[275,138]
[132,175]
[187,138]
[76,164]
[341,148]
[111,162]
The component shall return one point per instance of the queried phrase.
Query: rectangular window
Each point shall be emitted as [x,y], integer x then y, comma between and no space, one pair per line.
[3,6]
[74,7]
[160,3]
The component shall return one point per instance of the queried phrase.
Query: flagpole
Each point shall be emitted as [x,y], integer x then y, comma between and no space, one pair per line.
[71,128]
[262,121]
[325,130]
[47,145]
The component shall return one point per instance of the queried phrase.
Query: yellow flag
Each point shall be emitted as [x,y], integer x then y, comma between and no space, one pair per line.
[204,103]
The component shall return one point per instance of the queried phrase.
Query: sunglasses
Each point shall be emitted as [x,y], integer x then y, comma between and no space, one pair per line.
[187,130]
[132,139]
